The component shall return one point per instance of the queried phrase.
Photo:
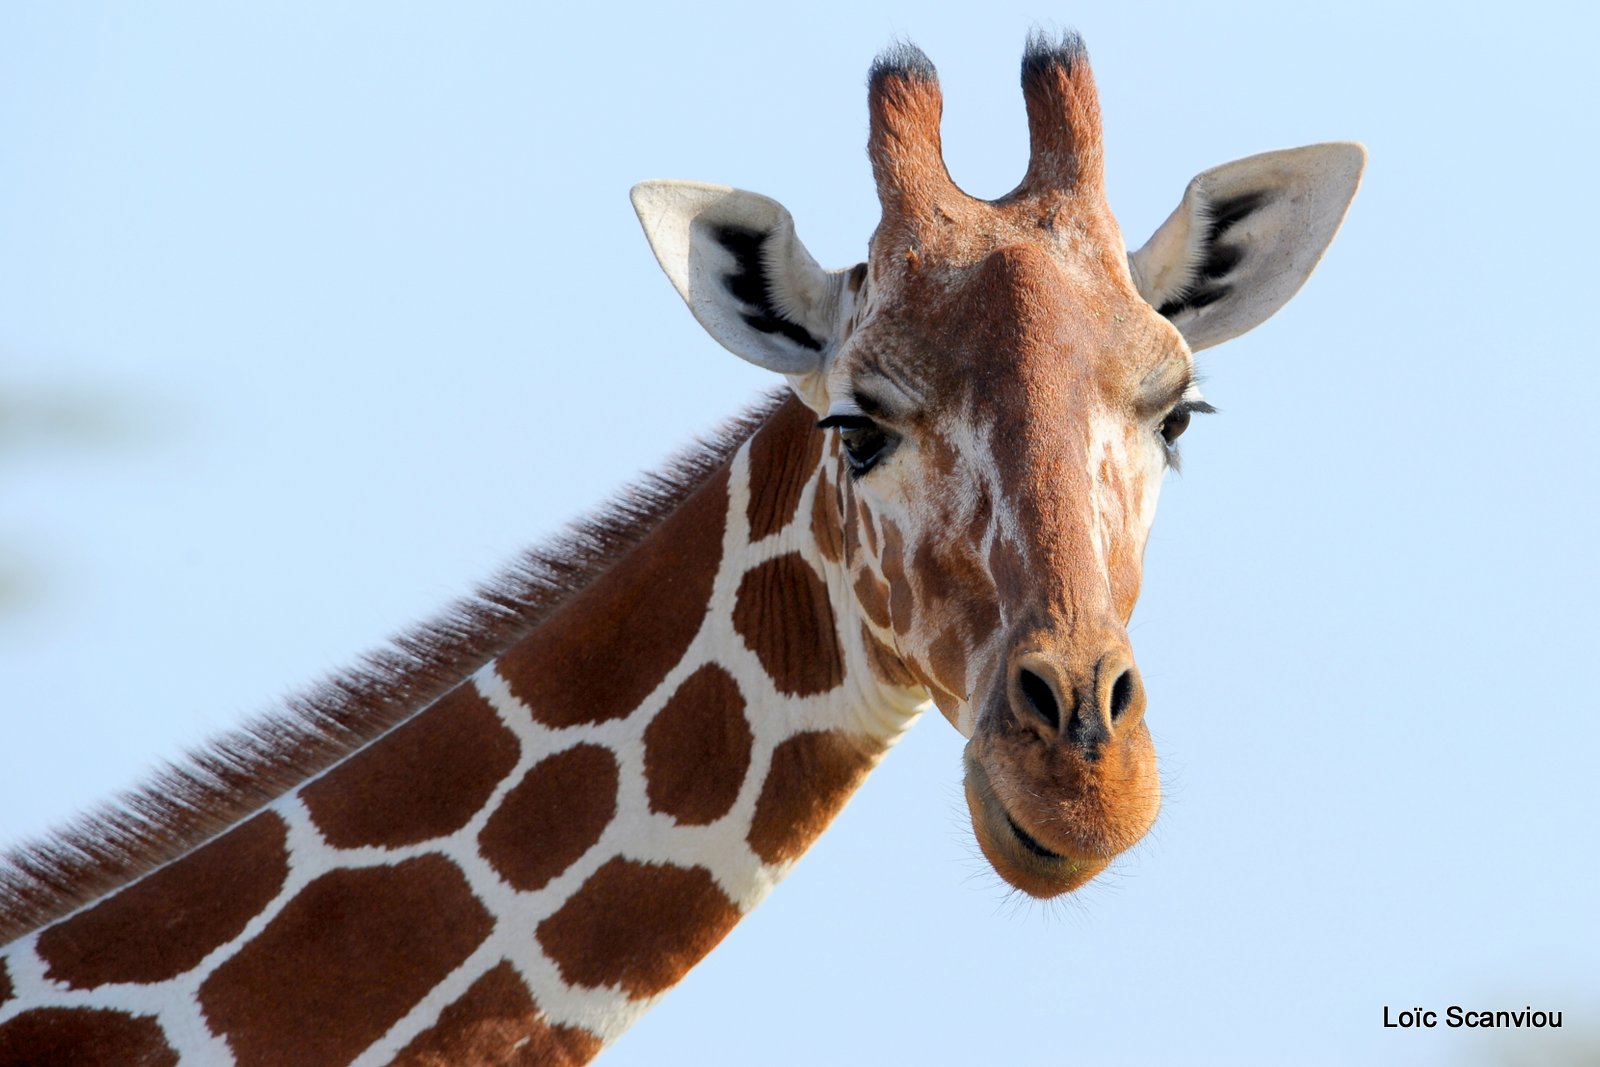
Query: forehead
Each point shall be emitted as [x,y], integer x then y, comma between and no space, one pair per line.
[994,317]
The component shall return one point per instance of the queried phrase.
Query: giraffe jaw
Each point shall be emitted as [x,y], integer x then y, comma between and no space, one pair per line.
[1041,864]
[1016,855]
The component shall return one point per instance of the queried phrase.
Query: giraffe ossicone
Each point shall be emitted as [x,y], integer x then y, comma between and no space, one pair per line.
[503,840]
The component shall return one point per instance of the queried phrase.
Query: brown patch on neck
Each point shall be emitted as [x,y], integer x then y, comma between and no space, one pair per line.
[894,572]
[869,529]
[784,616]
[640,926]
[827,526]
[887,667]
[496,1021]
[5,983]
[165,924]
[83,1037]
[947,658]
[697,749]
[552,817]
[873,597]
[811,777]
[607,648]
[343,962]
[783,455]
[948,703]
[424,779]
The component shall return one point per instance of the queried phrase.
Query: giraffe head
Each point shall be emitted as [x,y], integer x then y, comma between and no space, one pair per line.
[1006,385]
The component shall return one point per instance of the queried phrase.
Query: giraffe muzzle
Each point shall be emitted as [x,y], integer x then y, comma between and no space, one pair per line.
[1060,771]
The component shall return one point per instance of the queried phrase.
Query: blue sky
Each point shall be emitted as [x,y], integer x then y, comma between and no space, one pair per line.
[311,318]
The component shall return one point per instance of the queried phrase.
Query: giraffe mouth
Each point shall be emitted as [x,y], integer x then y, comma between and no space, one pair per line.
[1017,855]
[1028,840]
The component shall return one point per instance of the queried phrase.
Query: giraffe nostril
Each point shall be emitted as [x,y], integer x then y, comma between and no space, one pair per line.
[1040,697]
[1121,694]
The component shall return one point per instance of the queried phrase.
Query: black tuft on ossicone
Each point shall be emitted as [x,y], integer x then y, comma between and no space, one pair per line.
[904,60]
[1043,52]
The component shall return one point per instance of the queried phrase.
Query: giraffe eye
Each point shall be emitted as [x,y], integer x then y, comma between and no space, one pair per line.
[865,442]
[863,447]
[1174,424]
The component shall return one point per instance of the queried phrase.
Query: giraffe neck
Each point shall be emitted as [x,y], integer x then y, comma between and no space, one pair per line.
[520,870]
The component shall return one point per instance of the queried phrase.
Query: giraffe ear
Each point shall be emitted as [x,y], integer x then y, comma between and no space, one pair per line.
[734,258]
[1245,238]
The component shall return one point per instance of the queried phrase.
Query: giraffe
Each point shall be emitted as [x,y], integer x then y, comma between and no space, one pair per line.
[504,839]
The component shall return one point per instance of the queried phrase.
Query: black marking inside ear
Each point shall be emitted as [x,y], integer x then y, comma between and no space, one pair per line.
[1225,214]
[748,284]
[1207,286]
[1201,297]
[1220,260]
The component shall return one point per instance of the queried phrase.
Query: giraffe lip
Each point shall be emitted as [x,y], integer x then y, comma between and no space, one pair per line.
[1029,842]
[1016,855]
[994,821]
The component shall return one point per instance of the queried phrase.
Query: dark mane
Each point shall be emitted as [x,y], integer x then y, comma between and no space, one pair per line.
[188,802]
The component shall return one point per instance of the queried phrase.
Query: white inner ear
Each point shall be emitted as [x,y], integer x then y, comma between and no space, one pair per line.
[1163,269]
[1245,237]
[799,290]
[735,259]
